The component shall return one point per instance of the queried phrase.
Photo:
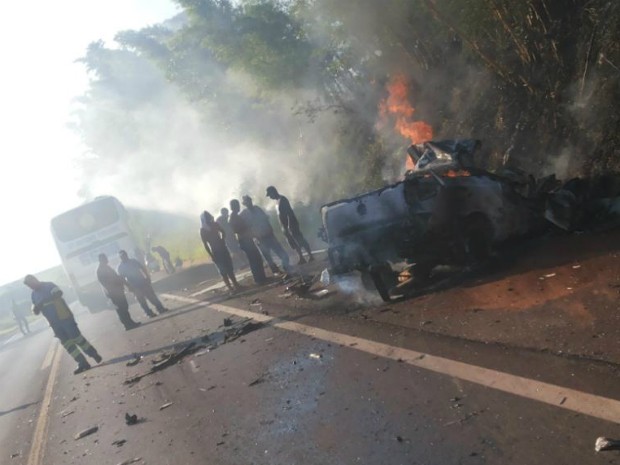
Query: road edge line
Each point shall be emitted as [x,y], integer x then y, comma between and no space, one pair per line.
[37,449]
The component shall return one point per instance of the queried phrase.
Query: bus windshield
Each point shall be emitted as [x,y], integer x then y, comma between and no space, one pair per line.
[85,220]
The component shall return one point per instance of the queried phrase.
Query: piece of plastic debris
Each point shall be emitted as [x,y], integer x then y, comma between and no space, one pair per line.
[550,275]
[131,419]
[166,405]
[321,293]
[66,413]
[119,442]
[603,444]
[576,267]
[227,322]
[86,432]
[316,356]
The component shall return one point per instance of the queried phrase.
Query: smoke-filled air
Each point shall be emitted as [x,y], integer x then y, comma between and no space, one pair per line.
[321,98]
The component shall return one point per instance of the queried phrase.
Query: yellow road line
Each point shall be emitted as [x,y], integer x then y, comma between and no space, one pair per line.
[37,449]
[49,356]
[558,396]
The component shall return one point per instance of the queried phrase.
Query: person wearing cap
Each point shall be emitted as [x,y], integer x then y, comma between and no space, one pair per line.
[114,289]
[138,281]
[290,225]
[47,300]
[263,233]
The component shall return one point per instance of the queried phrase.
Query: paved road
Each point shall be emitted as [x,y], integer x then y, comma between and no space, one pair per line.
[23,376]
[322,389]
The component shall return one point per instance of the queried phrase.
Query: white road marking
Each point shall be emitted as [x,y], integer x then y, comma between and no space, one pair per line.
[37,449]
[558,396]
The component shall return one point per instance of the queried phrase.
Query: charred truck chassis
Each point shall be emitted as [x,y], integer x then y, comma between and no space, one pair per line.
[439,214]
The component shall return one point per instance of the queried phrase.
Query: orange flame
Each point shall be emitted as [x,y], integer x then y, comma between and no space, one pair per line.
[397,105]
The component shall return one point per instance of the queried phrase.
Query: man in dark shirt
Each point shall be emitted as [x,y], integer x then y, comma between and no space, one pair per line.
[47,300]
[290,225]
[241,229]
[114,289]
[165,258]
[138,281]
[262,231]
[214,239]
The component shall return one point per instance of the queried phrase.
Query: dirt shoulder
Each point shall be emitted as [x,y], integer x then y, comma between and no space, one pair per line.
[559,294]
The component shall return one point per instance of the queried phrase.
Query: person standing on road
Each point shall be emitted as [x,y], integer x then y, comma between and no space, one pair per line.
[165,258]
[138,281]
[246,243]
[47,300]
[263,233]
[20,318]
[290,225]
[229,236]
[214,239]
[114,289]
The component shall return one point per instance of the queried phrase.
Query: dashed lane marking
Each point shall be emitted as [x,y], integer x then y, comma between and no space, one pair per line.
[558,396]
[37,449]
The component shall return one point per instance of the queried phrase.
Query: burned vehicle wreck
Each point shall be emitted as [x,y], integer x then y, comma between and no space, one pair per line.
[444,212]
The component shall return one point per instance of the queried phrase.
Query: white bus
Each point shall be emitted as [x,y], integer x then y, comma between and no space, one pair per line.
[81,234]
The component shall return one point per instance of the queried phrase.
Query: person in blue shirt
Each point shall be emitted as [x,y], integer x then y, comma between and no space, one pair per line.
[138,281]
[47,300]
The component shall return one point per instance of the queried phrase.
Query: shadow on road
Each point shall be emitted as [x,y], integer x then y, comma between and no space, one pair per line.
[15,409]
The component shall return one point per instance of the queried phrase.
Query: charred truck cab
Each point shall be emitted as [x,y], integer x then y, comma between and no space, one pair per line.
[445,212]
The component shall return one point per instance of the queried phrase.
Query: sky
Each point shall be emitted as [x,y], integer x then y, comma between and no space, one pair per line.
[39,43]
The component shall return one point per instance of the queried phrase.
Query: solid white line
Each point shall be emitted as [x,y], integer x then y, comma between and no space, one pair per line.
[558,396]
[37,449]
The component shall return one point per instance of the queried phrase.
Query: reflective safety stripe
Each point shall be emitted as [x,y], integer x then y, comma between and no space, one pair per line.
[83,343]
[71,347]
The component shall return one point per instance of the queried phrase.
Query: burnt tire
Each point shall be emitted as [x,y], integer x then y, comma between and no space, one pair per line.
[384,278]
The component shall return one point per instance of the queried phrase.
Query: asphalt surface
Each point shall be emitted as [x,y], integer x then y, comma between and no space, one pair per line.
[296,386]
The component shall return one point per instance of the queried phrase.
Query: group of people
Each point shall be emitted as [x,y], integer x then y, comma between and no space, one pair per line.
[249,231]
[47,299]
[246,231]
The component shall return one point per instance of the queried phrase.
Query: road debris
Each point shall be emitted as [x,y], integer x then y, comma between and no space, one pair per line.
[66,413]
[134,361]
[86,432]
[241,329]
[119,442]
[130,461]
[166,405]
[131,419]
[258,380]
[227,322]
[604,444]
[315,356]
[167,360]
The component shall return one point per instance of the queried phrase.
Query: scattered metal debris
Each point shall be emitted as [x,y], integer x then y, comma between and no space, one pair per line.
[241,329]
[166,405]
[227,322]
[131,419]
[134,361]
[258,380]
[119,442]
[604,444]
[66,413]
[86,432]
[167,360]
